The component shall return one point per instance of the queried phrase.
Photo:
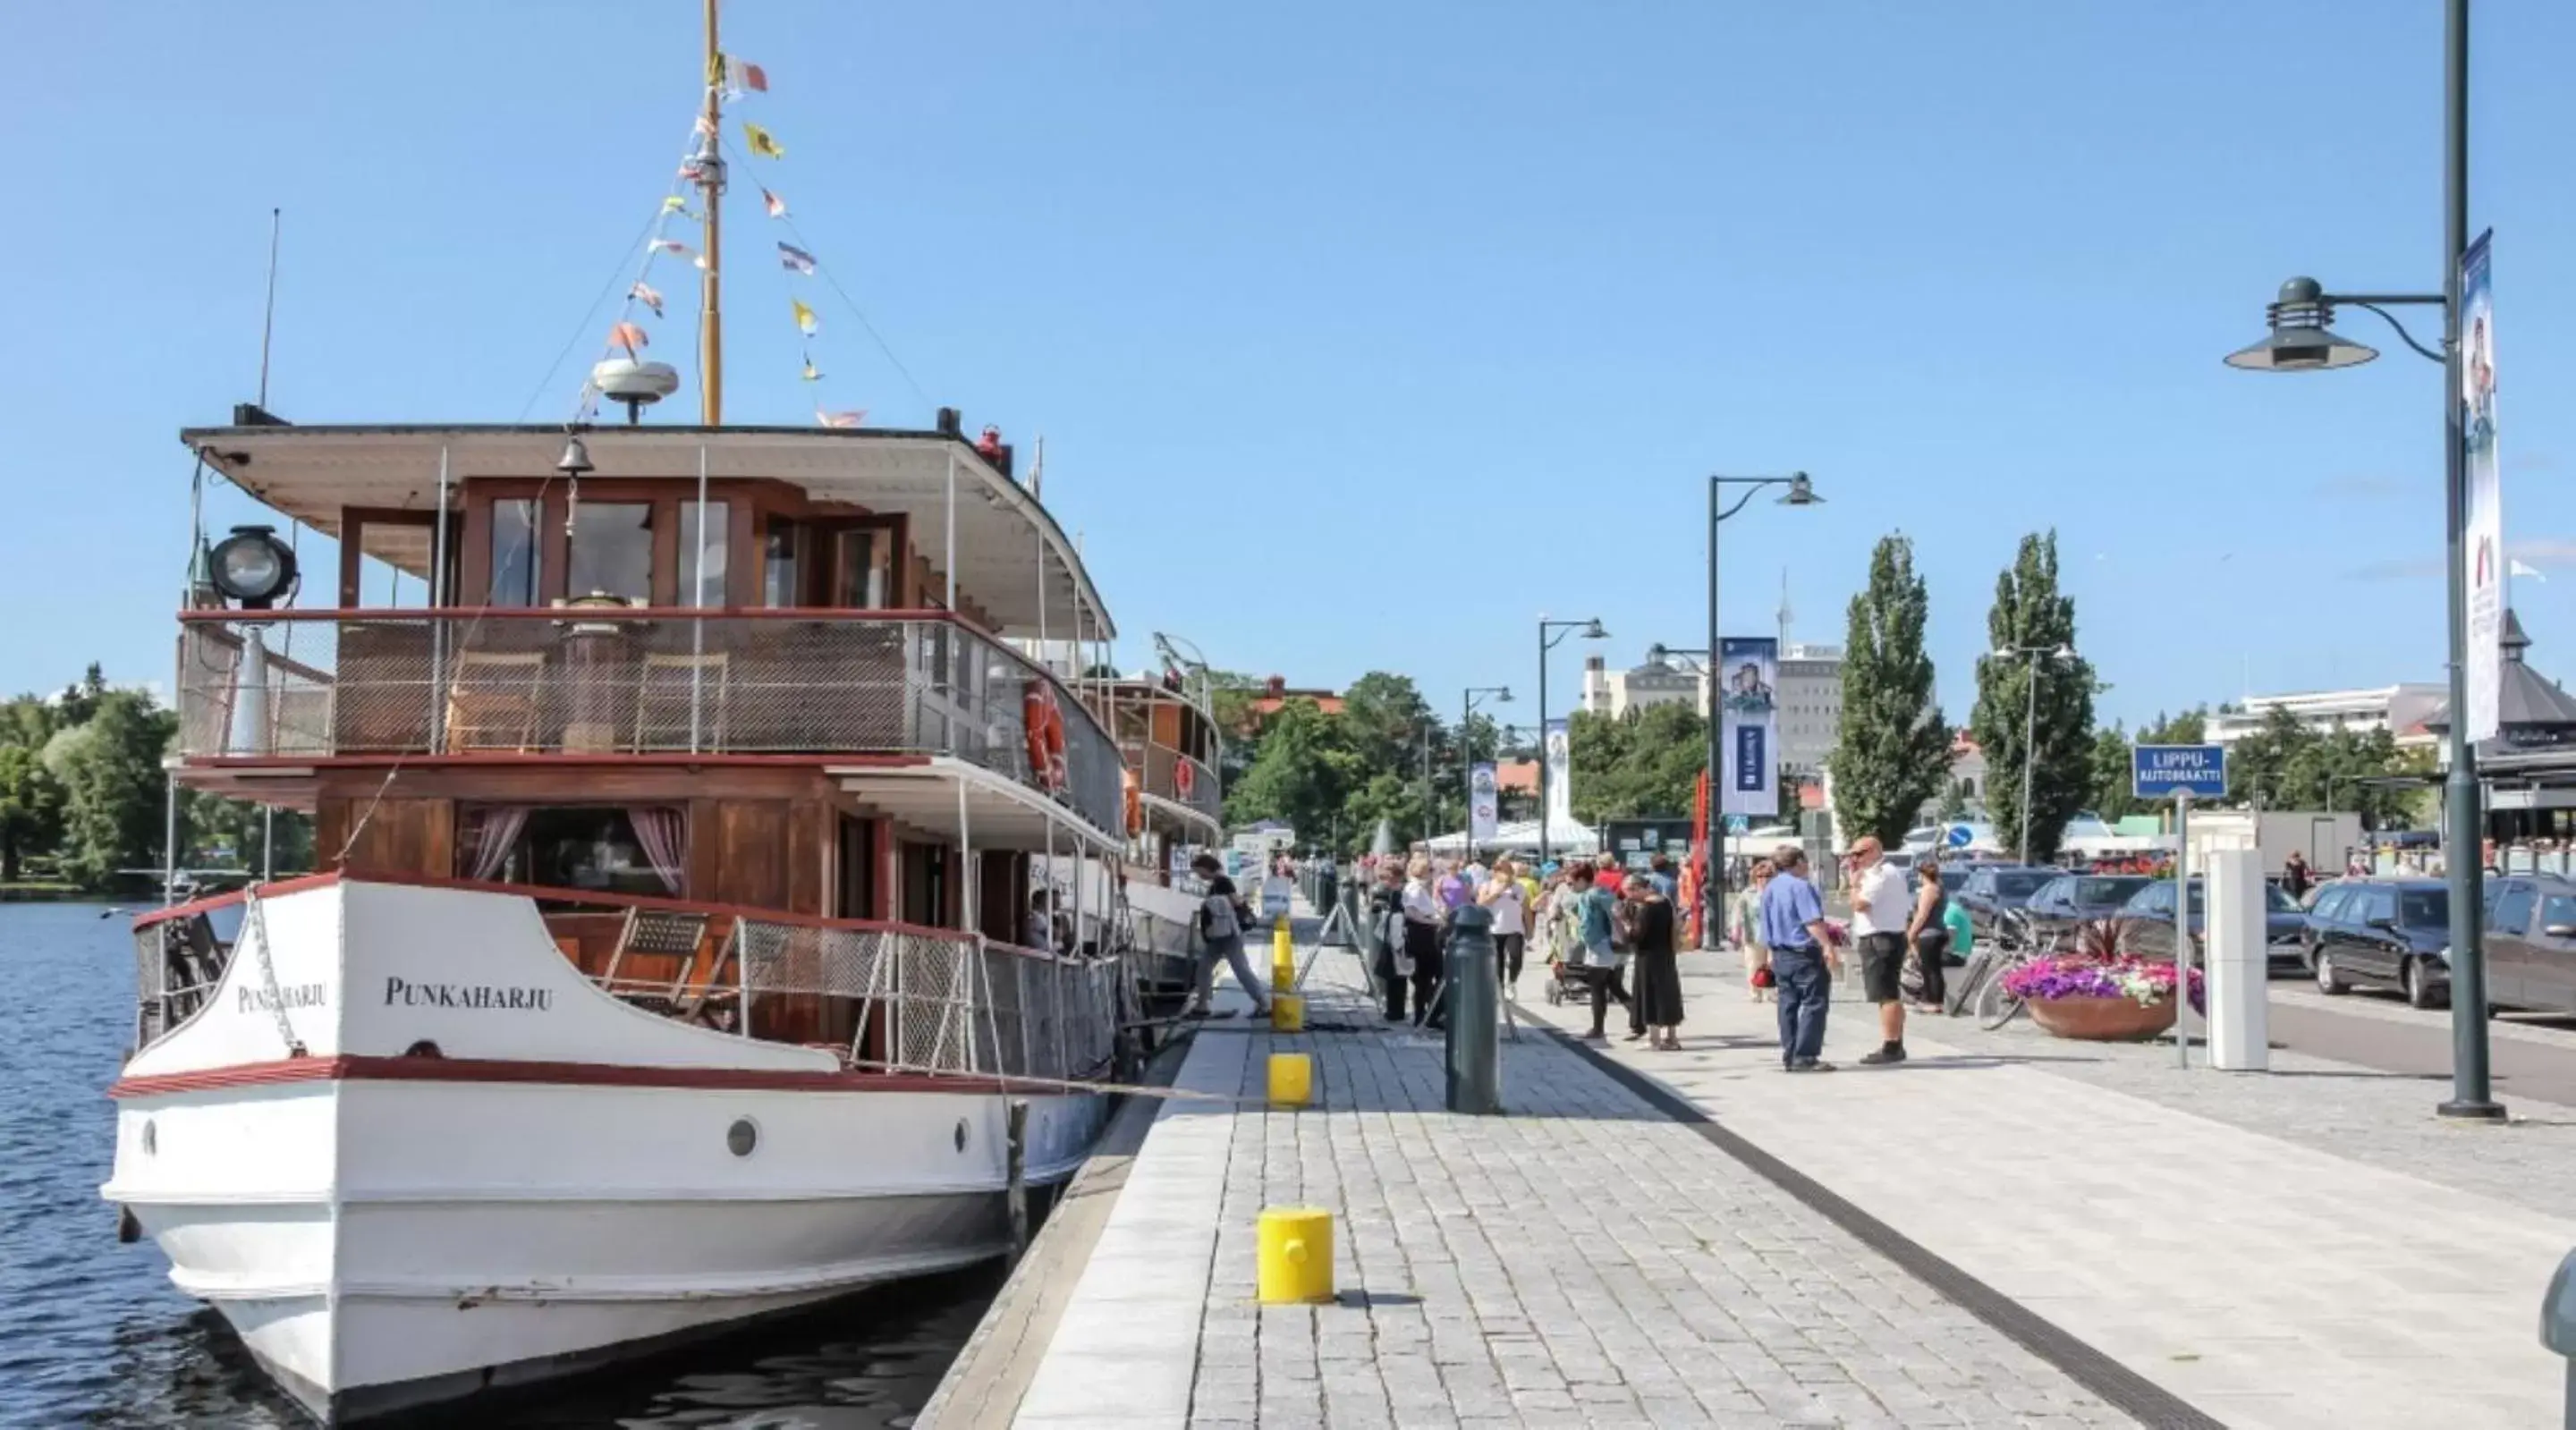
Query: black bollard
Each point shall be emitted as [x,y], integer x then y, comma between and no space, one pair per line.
[1474,1007]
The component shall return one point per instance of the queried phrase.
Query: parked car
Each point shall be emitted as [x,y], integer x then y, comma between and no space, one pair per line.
[2389,933]
[1990,889]
[2147,924]
[2531,942]
[2070,900]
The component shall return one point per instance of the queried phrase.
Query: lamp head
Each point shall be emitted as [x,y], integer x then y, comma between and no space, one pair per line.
[1801,491]
[1594,632]
[252,567]
[2302,337]
[1656,654]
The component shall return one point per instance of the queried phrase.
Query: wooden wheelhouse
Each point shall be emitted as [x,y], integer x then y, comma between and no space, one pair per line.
[758,673]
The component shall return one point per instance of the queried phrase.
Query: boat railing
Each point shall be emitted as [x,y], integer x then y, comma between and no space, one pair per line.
[1168,774]
[291,685]
[885,996]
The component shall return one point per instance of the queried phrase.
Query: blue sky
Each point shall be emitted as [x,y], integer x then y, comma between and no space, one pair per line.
[1361,334]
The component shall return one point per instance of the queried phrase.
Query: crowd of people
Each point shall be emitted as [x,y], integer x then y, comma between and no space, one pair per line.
[1590,922]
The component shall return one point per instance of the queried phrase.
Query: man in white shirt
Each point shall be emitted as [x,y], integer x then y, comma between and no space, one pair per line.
[1881,907]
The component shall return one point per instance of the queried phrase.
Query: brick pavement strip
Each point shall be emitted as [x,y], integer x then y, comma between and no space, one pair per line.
[1584,1260]
[2270,1276]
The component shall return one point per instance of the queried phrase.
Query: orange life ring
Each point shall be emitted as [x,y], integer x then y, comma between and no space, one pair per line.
[1135,803]
[1185,776]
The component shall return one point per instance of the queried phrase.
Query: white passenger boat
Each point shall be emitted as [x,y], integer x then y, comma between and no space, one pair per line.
[674,965]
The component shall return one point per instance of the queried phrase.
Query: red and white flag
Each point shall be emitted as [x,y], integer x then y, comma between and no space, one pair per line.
[777,206]
[743,75]
[629,336]
[643,293]
[851,418]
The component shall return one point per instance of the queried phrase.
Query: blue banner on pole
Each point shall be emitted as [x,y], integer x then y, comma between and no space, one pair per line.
[1748,671]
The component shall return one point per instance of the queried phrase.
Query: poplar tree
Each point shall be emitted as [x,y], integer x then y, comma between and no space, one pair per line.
[1893,754]
[2029,613]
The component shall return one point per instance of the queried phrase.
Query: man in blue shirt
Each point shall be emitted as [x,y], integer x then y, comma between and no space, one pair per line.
[1793,920]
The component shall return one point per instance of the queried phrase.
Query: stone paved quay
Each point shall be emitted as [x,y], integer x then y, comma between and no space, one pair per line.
[2307,1249]
[1585,1260]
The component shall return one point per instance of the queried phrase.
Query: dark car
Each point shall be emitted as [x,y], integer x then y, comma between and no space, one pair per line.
[1990,889]
[2071,900]
[2531,942]
[2390,933]
[2147,924]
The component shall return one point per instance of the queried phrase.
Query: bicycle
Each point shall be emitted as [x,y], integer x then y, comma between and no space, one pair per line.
[1981,983]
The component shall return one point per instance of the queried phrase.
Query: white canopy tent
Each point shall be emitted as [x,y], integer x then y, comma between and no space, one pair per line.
[1521,837]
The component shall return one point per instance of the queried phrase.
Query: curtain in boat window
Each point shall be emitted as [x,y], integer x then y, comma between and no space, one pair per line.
[663,832]
[495,835]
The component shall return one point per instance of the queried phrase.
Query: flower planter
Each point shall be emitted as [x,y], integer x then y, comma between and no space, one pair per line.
[2115,1019]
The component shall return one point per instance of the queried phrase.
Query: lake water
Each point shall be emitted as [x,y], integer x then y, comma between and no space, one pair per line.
[92,1333]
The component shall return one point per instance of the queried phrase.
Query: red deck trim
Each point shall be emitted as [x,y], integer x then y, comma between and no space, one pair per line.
[601,898]
[540,758]
[490,1070]
[219,901]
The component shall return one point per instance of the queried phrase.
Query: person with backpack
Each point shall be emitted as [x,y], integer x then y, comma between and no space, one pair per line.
[1222,915]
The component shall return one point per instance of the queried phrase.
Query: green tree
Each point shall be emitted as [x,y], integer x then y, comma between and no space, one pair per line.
[1894,752]
[1304,774]
[31,809]
[2112,774]
[113,787]
[2056,745]
[1954,801]
[1642,764]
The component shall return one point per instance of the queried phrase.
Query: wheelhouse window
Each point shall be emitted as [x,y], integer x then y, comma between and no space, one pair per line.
[612,550]
[632,849]
[703,529]
[780,566]
[514,552]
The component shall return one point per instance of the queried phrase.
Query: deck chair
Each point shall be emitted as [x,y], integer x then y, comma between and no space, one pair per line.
[492,703]
[654,932]
[706,998]
[662,701]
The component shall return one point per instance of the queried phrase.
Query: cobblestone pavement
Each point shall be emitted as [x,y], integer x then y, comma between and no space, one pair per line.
[2370,1115]
[1584,1260]
[2341,1274]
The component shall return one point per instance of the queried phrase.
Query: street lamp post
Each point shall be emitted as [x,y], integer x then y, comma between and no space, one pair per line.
[1713,888]
[2062,654]
[2302,340]
[1467,755]
[1592,631]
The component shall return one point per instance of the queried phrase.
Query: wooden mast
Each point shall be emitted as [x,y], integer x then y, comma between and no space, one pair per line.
[711,285]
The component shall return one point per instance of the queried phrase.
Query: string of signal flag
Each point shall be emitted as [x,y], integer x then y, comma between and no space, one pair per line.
[735,77]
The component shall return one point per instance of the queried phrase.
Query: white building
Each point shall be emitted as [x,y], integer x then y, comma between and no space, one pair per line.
[1809,695]
[2399,709]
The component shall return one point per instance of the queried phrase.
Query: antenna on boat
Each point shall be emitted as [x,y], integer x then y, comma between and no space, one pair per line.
[711,181]
[268,314]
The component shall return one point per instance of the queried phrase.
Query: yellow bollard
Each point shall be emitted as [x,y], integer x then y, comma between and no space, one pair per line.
[1283,949]
[1292,1079]
[1288,1012]
[1296,1256]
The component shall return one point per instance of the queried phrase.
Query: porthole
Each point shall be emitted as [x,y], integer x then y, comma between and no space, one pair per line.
[742,1137]
[151,1138]
[960,1138]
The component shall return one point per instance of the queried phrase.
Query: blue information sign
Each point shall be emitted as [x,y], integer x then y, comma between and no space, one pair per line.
[2161,771]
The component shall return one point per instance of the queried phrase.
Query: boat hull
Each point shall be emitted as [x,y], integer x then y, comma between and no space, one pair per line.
[386,1232]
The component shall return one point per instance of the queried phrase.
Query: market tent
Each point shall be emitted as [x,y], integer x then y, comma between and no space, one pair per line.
[1521,837]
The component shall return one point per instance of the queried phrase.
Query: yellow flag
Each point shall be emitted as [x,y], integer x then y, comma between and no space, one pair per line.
[760,141]
[804,316]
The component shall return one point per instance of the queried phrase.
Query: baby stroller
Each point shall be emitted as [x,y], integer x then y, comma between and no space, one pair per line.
[1567,982]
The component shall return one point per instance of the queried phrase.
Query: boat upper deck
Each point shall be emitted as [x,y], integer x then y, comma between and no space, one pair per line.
[935,498]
